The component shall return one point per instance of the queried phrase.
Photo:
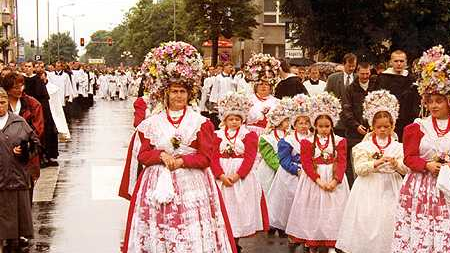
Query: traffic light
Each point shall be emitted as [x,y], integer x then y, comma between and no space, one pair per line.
[110,41]
[82,42]
[32,43]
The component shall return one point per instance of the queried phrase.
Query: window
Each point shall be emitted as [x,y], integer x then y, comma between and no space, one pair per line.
[275,50]
[272,13]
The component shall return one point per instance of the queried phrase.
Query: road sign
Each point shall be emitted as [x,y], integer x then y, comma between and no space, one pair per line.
[37,57]
[96,61]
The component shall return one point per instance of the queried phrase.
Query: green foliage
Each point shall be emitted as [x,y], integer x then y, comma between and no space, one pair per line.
[67,48]
[369,27]
[214,18]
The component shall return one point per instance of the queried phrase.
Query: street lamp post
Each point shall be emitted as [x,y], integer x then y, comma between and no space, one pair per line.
[73,23]
[126,55]
[57,23]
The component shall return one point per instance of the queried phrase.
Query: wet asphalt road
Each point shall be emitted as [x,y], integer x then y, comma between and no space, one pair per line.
[83,212]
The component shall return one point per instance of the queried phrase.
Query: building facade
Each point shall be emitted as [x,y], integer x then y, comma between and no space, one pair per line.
[268,37]
[8,37]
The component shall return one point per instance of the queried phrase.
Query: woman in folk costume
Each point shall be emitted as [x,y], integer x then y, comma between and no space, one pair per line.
[368,222]
[282,192]
[142,110]
[262,72]
[232,163]
[322,189]
[423,214]
[176,206]
[278,127]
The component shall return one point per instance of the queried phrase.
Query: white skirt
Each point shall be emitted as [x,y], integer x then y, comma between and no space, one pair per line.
[242,200]
[265,175]
[280,198]
[316,214]
[369,217]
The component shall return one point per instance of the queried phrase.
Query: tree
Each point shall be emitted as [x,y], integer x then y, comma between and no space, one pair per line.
[212,19]
[370,28]
[60,43]
[147,25]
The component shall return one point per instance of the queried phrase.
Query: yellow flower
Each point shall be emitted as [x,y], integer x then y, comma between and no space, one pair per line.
[153,71]
[430,67]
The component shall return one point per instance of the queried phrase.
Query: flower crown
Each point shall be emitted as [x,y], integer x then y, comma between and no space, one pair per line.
[173,62]
[263,67]
[434,69]
[325,104]
[379,101]
[234,103]
[302,107]
[285,109]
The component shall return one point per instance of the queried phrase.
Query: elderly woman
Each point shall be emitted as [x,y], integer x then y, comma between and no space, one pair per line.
[423,215]
[262,70]
[17,141]
[28,108]
[176,206]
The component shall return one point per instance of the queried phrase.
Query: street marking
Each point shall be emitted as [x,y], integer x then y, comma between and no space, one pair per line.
[44,189]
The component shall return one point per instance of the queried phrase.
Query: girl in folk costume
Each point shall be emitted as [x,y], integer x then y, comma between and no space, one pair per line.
[423,215]
[232,164]
[262,70]
[282,192]
[176,206]
[323,189]
[368,222]
[278,126]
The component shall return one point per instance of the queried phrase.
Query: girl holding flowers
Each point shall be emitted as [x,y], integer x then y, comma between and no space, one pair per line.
[322,190]
[368,222]
[232,163]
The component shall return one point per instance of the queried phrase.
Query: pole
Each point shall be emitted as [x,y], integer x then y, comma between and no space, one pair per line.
[37,26]
[73,27]
[48,32]
[174,20]
[17,30]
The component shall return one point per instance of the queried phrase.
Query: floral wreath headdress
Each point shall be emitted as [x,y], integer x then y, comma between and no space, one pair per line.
[378,101]
[173,62]
[263,67]
[285,109]
[302,107]
[325,104]
[234,103]
[434,72]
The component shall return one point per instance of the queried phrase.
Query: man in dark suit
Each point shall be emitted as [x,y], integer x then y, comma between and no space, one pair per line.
[338,82]
[352,113]
[399,82]
[291,84]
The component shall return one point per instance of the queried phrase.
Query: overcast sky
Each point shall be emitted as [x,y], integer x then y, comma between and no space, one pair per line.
[98,15]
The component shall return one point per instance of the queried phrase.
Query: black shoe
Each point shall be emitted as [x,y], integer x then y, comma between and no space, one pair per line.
[271,232]
[24,242]
[52,164]
[282,234]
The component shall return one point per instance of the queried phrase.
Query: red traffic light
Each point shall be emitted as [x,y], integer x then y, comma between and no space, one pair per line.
[110,41]
[82,42]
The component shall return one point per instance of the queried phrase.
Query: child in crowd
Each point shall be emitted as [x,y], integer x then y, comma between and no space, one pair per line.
[368,222]
[278,128]
[283,188]
[232,163]
[322,190]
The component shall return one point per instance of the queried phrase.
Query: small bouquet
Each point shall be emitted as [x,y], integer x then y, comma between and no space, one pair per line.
[442,157]
[377,155]
[176,141]
[325,155]
[229,150]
